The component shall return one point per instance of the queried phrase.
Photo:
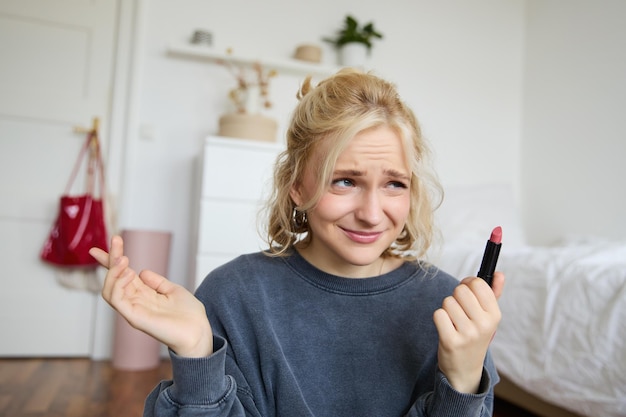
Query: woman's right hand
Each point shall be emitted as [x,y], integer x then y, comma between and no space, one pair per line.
[154,305]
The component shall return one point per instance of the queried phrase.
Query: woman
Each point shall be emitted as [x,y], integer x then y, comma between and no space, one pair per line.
[338,317]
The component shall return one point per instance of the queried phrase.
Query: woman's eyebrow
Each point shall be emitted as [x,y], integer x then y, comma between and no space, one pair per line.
[357,173]
[349,173]
[397,174]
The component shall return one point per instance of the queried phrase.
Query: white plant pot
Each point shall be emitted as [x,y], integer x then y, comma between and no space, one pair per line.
[353,55]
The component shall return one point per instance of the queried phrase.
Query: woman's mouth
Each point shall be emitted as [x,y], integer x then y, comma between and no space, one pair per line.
[362,237]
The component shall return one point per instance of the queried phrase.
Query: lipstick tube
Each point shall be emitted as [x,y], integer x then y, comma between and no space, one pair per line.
[490,257]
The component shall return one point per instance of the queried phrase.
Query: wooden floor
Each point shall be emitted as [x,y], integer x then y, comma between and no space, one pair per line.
[85,388]
[74,388]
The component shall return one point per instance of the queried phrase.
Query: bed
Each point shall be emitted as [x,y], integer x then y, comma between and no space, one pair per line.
[561,346]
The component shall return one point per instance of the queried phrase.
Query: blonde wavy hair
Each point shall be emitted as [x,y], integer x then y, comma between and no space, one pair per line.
[336,110]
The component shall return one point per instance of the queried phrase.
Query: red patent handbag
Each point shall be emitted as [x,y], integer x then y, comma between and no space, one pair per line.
[80,223]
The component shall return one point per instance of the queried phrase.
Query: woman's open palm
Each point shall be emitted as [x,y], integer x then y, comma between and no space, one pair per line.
[155,305]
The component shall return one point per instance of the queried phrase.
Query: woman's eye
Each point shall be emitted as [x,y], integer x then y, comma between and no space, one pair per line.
[397,184]
[343,182]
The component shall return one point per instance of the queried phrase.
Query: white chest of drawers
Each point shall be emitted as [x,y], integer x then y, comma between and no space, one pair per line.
[235,178]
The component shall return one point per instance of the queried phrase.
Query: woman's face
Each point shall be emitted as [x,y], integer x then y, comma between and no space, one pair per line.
[364,208]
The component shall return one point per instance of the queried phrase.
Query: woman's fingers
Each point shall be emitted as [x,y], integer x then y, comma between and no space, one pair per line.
[498,284]
[482,292]
[470,313]
[444,324]
[116,251]
[105,259]
[156,282]
[456,310]
[119,275]
[101,256]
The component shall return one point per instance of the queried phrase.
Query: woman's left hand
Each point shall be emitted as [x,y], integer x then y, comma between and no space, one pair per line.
[467,322]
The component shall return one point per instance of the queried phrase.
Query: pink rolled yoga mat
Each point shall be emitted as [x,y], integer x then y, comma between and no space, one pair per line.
[134,350]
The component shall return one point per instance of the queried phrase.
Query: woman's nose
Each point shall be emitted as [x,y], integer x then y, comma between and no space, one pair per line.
[370,208]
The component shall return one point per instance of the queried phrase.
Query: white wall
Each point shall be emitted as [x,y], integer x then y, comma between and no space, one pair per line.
[575,102]
[458,63]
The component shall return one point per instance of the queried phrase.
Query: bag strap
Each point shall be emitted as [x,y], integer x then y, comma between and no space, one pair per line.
[94,164]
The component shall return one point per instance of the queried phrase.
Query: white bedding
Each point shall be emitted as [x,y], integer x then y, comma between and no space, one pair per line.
[563,331]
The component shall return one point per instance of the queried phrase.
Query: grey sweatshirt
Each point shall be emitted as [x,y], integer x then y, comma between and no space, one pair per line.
[291,340]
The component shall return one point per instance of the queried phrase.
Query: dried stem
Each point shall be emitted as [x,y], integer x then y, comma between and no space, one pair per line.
[245,82]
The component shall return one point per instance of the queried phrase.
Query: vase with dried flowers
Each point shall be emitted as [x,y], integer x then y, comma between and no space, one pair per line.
[250,95]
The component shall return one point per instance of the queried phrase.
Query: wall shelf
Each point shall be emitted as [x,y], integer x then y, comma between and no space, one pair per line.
[284,66]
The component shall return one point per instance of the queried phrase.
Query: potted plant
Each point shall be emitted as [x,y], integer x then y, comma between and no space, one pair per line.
[354,42]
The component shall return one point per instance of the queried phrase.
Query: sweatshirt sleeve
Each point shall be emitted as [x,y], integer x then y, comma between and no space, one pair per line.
[445,401]
[199,387]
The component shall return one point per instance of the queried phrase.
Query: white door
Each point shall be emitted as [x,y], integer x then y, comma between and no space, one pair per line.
[56,67]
